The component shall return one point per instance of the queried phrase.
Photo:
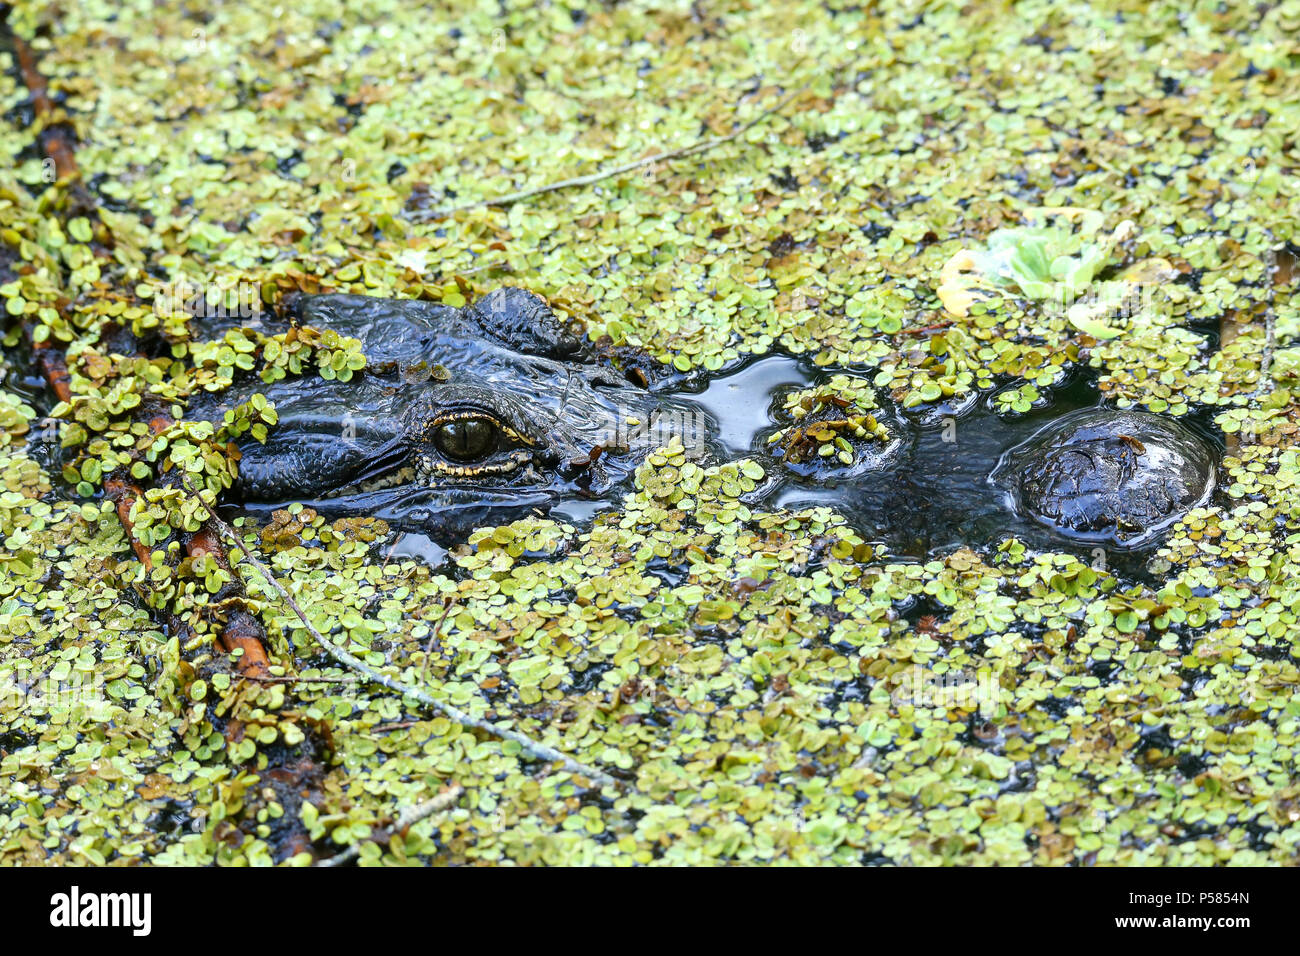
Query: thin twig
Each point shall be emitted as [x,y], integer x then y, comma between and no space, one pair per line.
[497,264]
[407,819]
[1266,360]
[299,680]
[537,749]
[396,725]
[1129,715]
[447,602]
[392,550]
[702,146]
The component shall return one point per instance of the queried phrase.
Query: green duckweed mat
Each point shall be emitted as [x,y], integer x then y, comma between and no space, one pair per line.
[760,679]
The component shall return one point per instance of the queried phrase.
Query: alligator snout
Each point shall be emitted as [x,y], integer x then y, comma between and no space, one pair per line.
[1112,476]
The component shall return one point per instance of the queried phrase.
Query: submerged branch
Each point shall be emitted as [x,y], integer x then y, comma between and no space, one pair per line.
[535,748]
[407,819]
[56,138]
[242,630]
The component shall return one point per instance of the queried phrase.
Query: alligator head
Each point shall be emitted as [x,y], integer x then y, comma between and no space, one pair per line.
[461,416]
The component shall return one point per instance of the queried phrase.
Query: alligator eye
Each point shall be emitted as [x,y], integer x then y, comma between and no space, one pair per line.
[466,439]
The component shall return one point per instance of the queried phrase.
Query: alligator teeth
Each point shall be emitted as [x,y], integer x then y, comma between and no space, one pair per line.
[401,476]
[428,467]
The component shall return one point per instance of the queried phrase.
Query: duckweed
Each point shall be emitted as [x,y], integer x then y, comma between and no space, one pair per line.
[772,686]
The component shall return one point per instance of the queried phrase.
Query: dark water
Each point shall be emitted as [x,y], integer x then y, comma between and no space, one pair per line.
[741,401]
[414,544]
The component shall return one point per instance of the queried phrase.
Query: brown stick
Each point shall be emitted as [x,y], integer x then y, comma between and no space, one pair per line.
[447,602]
[243,631]
[123,494]
[57,138]
[54,369]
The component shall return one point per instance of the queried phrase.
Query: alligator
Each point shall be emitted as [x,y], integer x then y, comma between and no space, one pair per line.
[461,417]
[475,415]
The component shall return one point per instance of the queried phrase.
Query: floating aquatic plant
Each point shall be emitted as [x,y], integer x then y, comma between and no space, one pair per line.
[836,425]
[1055,261]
